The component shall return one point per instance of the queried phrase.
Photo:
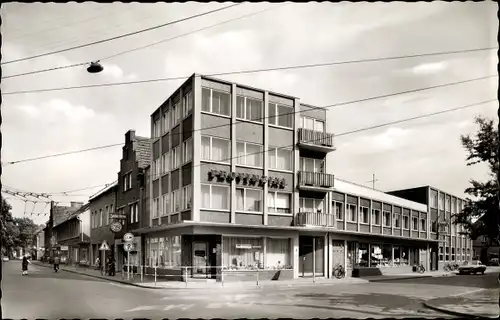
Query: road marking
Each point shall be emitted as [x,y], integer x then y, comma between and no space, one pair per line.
[467,292]
[184,307]
[142,308]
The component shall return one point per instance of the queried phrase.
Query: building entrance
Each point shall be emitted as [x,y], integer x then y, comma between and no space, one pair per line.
[200,260]
[311,256]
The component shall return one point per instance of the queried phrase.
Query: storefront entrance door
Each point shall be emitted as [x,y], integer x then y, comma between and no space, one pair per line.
[200,259]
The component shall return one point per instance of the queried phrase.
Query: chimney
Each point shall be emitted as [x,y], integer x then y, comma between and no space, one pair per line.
[129,136]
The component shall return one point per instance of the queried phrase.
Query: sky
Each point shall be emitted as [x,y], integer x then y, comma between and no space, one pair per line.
[420,152]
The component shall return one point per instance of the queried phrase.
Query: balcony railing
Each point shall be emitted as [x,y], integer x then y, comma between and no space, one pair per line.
[319,219]
[316,139]
[316,179]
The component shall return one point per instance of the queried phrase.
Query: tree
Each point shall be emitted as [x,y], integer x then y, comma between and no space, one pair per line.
[27,230]
[9,231]
[482,148]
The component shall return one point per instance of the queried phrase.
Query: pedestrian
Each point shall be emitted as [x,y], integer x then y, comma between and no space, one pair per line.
[57,261]
[26,261]
[112,266]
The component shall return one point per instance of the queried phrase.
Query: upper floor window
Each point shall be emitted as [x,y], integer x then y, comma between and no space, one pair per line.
[121,211]
[187,103]
[312,124]
[248,200]
[215,102]
[414,223]
[156,168]
[249,154]
[134,212]
[311,205]
[175,114]
[441,201]
[165,204]
[434,199]
[406,222]
[165,163]
[106,216]
[448,203]
[156,207]
[176,201]
[166,122]
[454,205]
[280,158]
[396,220]
[279,202]
[215,197]
[338,208]
[127,181]
[423,225]
[376,217]
[215,149]
[248,109]
[176,157]
[101,218]
[351,213]
[387,218]
[187,150]
[280,115]
[156,129]
[363,214]
[312,165]
[187,197]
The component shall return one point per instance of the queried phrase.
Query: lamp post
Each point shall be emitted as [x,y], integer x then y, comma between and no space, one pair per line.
[95,67]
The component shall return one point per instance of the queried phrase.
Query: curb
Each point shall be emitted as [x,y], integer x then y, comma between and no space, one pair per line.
[456,313]
[402,278]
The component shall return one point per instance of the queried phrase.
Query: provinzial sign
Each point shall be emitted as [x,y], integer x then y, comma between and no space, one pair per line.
[128,237]
[118,216]
[128,246]
[104,246]
[247,246]
[64,248]
[115,226]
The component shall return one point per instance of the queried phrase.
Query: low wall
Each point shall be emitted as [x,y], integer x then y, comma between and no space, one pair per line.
[276,275]
[368,272]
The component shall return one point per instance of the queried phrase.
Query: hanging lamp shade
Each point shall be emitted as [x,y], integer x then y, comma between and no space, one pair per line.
[95,67]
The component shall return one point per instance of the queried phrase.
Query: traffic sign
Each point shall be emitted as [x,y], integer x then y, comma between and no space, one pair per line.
[115,226]
[128,237]
[104,246]
[128,246]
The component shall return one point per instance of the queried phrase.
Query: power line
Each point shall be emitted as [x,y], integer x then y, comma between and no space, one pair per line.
[246,71]
[107,185]
[146,46]
[121,36]
[64,153]
[290,113]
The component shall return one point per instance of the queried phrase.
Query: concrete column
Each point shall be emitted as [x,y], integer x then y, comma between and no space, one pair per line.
[330,255]
[358,210]
[264,252]
[181,150]
[233,162]
[169,209]
[370,216]
[295,255]
[345,212]
[345,255]
[392,251]
[296,160]
[195,216]
[326,251]
[392,220]
[265,156]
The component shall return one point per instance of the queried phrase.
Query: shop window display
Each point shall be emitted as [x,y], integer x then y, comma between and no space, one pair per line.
[362,255]
[278,254]
[163,252]
[376,256]
[242,253]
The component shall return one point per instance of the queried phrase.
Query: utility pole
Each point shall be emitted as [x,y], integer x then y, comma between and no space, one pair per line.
[373,181]
[50,224]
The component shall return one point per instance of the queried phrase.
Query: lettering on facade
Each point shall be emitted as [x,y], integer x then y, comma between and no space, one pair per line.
[246,178]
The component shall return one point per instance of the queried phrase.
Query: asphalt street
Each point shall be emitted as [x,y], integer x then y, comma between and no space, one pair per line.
[45,294]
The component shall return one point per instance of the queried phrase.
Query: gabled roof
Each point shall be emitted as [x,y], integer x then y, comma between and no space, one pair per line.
[143,151]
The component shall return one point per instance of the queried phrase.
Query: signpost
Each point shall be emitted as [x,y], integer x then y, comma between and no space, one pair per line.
[104,247]
[128,246]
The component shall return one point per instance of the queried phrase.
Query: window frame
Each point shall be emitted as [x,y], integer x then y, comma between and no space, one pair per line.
[423,224]
[337,204]
[384,212]
[187,104]
[348,206]
[302,119]
[302,206]
[187,190]
[361,214]
[261,154]
[156,212]
[187,146]
[165,163]
[302,164]
[374,223]
[175,162]
[211,107]
[274,150]
[260,120]
[228,141]
[175,206]
[166,121]
[406,222]
[276,115]
[396,221]
[261,204]
[228,190]
[275,194]
[165,204]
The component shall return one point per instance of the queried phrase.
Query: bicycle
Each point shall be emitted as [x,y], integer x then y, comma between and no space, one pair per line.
[420,268]
[338,271]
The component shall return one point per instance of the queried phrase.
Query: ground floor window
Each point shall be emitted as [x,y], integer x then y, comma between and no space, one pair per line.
[163,252]
[242,253]
[441,253]
[278,254]
[447,254]
[381,255]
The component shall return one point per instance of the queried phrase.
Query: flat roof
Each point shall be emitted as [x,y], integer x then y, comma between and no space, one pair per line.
[366,192]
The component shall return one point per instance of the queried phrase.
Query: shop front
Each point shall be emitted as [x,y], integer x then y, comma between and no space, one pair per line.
[124,258]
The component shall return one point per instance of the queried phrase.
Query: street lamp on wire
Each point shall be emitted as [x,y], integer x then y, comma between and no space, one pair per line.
[95,67]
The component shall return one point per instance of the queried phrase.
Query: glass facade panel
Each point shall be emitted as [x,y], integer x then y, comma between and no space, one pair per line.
[241,253]
[278,254]
[163,252]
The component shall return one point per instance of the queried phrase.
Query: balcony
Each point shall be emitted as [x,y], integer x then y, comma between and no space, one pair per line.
[317,219]
[316,140]
[316,181]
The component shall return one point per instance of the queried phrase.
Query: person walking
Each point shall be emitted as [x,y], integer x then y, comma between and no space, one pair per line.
[57,261]
[25,263]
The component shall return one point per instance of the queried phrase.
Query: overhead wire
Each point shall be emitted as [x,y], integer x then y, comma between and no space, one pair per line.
[148,45]
[290,113]
[122,35]
[249,71]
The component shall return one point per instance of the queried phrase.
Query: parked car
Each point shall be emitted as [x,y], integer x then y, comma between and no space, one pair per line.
[494,262]
[472,268]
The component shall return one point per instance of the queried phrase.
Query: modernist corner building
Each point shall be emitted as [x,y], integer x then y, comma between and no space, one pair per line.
[239,182]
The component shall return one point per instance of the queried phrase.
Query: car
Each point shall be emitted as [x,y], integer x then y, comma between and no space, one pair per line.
[494,262]
[474,267]
[5,258]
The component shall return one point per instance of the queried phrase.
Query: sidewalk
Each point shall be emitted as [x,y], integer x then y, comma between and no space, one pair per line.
[149,281]
[483,303]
